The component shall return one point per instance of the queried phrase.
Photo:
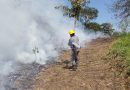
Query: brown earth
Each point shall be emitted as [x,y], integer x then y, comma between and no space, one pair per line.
[93,73]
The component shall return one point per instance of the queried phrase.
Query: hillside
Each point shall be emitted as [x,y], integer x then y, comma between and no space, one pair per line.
[93,73]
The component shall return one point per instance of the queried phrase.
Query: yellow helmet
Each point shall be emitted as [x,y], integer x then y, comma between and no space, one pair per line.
[71,31]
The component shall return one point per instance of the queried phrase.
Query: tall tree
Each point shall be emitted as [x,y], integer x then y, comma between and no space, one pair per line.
[79,10]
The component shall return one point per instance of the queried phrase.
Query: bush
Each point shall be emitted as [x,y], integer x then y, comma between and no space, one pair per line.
[116,34]
[93,26]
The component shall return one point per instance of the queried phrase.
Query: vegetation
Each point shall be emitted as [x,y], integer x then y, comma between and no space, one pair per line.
[107,28]
[93,26]
[121,9]
[79,10]
[120,50]
[116,34]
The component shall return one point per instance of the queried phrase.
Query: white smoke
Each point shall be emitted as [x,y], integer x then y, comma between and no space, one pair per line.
[32,25]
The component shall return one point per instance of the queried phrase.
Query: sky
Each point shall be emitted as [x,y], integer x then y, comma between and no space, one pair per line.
[105,15]
[103,6]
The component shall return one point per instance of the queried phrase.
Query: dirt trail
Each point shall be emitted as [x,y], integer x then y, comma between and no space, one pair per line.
[93,72]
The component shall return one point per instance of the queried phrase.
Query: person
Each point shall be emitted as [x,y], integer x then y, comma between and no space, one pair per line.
[75,47]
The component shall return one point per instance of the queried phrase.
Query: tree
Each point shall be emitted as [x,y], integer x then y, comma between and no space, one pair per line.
[88,14]
[93,26]
[121,9]
[107,28]
[79,10]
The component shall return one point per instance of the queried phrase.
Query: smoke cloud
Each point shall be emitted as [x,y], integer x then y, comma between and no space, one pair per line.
[33,31]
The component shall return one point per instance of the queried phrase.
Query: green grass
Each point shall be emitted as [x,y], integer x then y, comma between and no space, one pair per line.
[121,48]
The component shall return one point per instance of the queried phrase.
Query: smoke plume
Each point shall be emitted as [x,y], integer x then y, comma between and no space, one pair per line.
[33,31]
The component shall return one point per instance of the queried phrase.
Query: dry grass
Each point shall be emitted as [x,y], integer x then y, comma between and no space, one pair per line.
[93,72]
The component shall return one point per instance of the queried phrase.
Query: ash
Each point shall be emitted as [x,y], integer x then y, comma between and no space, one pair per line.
[23,77]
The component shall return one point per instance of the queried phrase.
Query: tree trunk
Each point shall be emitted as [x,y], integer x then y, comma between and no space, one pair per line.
[75,22]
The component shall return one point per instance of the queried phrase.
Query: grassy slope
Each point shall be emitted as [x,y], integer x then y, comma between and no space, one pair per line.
[121,49]
[120,57]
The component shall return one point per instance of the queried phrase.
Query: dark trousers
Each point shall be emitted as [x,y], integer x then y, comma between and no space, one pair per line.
[74,57]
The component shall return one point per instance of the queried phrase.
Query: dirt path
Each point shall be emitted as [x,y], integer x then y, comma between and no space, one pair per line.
[93,72]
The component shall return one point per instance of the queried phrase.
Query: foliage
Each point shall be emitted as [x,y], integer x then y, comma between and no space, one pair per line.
[116,34]
[88,14]
[93,25]
[124,26]
[121,9]
[107,28]
[79,10]
[121,48]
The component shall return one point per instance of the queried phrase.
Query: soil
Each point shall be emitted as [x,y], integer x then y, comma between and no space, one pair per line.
[94,71]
